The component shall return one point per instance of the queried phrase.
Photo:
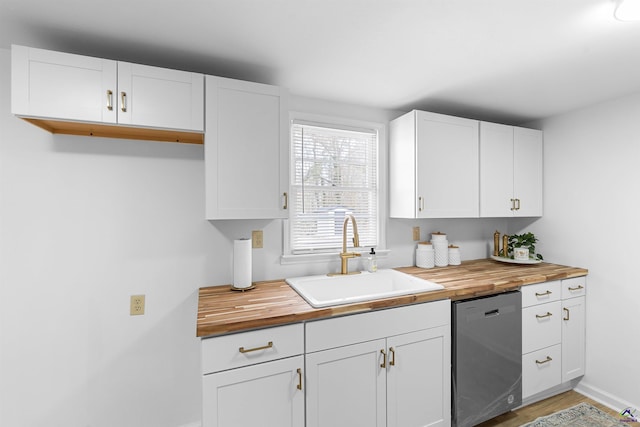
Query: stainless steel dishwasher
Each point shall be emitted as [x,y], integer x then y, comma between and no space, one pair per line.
[486,357]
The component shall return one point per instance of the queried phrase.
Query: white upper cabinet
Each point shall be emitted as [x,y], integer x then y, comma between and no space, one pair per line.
[53,88]
[246,150]
[62,86]
[158,97]
[433,162]
[510,171]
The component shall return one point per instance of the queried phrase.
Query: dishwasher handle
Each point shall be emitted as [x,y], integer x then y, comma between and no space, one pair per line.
[492,313]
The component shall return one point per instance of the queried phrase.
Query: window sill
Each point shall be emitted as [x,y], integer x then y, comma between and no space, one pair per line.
[325,257]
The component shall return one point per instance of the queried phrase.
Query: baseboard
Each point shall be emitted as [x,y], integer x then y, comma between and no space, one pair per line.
[601,396]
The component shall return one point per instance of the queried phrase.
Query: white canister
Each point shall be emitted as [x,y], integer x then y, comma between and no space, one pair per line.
[454,255]
[521,254]
[441,251]
[425,257]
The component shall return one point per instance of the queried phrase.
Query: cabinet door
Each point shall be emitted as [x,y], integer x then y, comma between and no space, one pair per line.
[266,394]
[346,386]
[496,170]
[527,171]
[246,150]
[63,86]
[573,338]
[447,166]
[161,98]
[419,378]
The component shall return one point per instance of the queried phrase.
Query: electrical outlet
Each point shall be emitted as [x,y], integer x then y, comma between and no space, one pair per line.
[136,306]
[416,234]
[256,239]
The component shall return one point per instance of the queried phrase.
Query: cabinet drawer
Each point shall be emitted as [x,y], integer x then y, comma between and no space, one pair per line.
[574,287]
[541,293]
[247,348]
[541,326]
[541,370]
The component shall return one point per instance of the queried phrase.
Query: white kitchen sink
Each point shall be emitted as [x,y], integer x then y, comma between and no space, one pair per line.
[325,291]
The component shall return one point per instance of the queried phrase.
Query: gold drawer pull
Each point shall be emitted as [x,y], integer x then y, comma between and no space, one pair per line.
[299,386]
[384,359]
[577,288]
[392,362]
[567,310]
[542,316]
[544,294]
[264,347]
[547,360]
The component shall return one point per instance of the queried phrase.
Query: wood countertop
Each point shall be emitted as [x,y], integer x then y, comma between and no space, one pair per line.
[273,303]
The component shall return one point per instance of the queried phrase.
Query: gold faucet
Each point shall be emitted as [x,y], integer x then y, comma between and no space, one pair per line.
[344,255]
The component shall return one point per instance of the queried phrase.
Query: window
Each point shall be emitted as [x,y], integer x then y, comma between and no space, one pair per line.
[334,173]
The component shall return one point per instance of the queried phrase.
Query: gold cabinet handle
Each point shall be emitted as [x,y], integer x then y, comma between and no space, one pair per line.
[577,288]
[513,204]
[541,362]
[299,386]
[109,100]
[420,204]
[384,359]
[517,204]
[286,201]
[543,294]
[249,350]
[392,362]
[123,101]
[542,316]
[567,310]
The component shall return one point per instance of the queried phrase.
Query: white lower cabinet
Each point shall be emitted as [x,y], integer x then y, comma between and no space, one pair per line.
[254,378]
[386,368]
[553,334]
[573,327]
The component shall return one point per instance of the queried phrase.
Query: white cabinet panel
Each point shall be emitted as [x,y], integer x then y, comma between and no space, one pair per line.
[527,171]
[61,85]
[246,150]
[158,97]
[266,394]
[541,370]
[346,386]
[433,166]
[251,347]
[511,167]
[541,326]
[415,375]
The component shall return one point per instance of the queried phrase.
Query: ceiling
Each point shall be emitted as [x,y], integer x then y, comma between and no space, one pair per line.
[512,61]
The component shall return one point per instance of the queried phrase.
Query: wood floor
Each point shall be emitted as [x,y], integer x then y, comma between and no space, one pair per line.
[544,407]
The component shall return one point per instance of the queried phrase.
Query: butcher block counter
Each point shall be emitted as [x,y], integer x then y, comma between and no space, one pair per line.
[272,303]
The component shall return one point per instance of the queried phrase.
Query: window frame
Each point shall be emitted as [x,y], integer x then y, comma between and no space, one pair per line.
[288,257]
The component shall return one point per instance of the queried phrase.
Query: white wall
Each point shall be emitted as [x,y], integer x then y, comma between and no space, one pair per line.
[592,178]
[87,222]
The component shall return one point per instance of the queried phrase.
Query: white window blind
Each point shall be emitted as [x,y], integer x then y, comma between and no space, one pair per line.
[334,174]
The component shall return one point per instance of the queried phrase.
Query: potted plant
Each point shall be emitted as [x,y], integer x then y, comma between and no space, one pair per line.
[526,240]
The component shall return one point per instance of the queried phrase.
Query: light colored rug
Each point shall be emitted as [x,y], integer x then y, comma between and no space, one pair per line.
[581,415]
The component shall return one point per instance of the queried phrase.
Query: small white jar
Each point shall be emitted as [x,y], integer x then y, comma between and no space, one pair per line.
[425,255]
[454,255]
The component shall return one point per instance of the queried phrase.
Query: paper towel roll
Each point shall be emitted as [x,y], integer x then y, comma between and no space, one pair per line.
[242,263]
